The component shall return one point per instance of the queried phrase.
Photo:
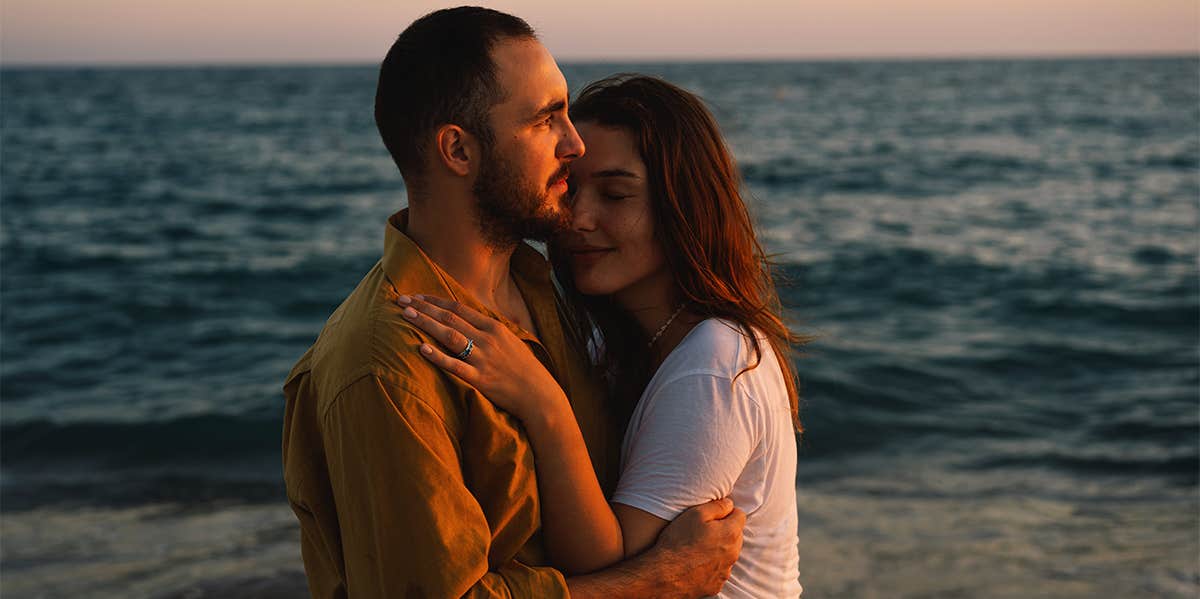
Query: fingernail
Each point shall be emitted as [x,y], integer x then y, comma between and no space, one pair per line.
[404,299]
[425,349]
[410,313]
[419,296]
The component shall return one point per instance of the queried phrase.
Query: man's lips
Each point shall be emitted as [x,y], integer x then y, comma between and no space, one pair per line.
[560,177]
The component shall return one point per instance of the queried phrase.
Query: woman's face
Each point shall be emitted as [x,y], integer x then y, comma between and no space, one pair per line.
[611,244]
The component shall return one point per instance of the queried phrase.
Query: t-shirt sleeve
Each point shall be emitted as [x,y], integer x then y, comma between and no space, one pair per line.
[694,439]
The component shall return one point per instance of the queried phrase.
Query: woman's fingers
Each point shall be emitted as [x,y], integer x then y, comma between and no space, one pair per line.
[448,329]
[443,329]
[468,314]
[450,364]
[442,315]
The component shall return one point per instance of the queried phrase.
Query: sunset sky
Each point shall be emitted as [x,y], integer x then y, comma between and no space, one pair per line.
[307,31]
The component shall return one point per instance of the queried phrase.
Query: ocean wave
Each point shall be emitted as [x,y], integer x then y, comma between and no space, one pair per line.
[914,172]
[208,437]
[1061,356]
[1060,308]
[130,487]
[1182,468]
[856,278]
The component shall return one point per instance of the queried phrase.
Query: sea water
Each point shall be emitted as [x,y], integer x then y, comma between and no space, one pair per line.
[998,259]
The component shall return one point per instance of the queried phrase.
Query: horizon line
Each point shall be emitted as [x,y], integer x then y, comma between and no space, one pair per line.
[584,60]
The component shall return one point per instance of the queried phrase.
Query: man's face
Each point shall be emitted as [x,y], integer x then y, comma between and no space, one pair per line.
[522,179]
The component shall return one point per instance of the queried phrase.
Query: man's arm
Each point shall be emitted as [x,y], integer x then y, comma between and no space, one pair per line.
[409,525]
[692,558]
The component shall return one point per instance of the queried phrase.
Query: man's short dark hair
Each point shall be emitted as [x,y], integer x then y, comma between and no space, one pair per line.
[440,71]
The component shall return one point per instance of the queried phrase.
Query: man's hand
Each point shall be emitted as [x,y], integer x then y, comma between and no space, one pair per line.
[697,550]
[692,558]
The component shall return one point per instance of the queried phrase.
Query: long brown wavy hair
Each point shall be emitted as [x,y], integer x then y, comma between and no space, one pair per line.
[706,232]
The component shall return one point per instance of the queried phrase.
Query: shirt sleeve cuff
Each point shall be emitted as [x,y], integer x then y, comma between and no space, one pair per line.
[648,504]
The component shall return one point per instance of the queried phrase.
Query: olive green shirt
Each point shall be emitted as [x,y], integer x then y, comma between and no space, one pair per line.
[407,481]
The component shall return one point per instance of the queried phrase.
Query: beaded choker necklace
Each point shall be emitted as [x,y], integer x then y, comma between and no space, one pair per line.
[663,328]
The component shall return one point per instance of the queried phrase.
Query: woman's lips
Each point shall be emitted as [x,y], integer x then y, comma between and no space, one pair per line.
[589,256]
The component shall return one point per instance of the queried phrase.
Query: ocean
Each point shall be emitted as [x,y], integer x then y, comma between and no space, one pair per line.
[998,258]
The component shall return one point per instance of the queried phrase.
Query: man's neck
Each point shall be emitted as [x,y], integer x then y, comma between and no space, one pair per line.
[456,245]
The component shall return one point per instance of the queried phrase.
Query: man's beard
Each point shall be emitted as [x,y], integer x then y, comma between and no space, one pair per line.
[512,208]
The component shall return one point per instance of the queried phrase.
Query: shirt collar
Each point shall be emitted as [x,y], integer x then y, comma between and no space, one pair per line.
[410,271]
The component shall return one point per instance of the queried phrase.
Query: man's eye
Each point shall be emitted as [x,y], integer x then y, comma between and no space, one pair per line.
[546,121]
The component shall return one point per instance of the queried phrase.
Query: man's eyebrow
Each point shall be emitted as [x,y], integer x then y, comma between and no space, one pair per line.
[616,172]
[550,108]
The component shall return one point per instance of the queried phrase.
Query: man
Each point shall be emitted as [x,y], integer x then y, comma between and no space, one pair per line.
[407,482]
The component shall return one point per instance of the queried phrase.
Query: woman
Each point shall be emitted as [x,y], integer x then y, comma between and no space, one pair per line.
[677,291]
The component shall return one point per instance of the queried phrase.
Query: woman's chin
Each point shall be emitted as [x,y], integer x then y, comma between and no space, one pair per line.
[592,288]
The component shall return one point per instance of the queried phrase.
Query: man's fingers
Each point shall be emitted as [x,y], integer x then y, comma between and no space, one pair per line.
[468,314]
[736,516]
[714,510]
[734,524]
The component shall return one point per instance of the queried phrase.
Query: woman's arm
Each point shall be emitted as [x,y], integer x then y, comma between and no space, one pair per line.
[565,476]
[583,533]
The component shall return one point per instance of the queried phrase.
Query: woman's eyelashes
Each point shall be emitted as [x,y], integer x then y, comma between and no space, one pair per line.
[614,192]
[612,195]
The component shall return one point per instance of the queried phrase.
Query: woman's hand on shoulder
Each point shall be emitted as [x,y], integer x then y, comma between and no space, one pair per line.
[483,352]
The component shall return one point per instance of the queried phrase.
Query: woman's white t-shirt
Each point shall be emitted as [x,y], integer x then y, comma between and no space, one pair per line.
[697,434]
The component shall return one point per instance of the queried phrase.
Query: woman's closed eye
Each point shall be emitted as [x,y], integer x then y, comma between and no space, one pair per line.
[615,195]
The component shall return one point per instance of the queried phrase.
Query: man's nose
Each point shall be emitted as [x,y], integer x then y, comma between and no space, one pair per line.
[571,145]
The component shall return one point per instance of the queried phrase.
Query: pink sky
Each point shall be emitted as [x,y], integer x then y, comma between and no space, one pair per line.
[305,31]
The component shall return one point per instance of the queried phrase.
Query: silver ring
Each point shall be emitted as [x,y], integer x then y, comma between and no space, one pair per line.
[462,355]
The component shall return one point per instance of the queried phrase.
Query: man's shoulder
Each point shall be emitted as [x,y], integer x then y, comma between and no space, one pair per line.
[366,341]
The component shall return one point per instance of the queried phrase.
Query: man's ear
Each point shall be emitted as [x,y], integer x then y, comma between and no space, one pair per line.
[457,149]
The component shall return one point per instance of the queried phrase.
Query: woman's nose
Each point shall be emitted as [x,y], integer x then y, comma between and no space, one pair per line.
[583,217]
